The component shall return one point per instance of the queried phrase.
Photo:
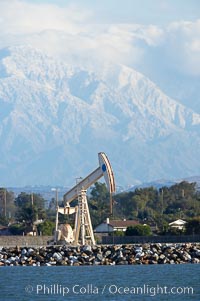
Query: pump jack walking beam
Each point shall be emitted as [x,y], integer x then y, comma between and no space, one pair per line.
[104,169]
[83,222]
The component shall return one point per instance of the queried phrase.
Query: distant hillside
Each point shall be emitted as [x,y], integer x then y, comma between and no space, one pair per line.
[55,118]
[161,183]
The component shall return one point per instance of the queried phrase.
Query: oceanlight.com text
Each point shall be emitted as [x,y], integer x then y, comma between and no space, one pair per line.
[107,289]
[150,290]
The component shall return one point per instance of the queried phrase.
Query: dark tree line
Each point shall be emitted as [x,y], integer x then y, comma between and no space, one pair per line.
[147,205]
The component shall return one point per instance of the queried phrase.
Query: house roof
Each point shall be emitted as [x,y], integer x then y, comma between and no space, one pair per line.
[122,223]
[3,227]
[113,225]
[178,222]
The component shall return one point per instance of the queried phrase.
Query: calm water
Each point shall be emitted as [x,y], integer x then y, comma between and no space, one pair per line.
[158,282]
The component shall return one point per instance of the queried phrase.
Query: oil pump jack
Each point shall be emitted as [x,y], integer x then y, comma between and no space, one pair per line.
[83,231]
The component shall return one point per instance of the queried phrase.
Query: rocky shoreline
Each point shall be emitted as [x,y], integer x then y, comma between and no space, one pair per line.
[101,255]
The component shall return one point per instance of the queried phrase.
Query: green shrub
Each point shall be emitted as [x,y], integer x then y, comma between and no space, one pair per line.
[17,229]
[138,230]
[46,228]
[193,226]
[119,233]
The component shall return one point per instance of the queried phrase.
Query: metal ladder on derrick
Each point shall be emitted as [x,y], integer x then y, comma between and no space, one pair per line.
[84,225]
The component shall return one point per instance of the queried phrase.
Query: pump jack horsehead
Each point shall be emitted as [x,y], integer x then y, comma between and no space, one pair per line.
[83,231]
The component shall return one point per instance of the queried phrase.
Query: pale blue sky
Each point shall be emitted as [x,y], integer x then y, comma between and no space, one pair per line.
[136,11]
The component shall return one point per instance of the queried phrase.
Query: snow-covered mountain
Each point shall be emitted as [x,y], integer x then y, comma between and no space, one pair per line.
[55,118]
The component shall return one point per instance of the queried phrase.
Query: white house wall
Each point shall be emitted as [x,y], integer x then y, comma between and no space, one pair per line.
[103,228]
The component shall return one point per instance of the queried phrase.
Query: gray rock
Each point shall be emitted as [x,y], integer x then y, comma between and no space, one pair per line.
[107,253]
[174,256]
[186,257]
[138,249]
[84,255]
[24,251]
[39,258]
[197,253]
[155,256]
[92,258]
[73,259]
[116,247]
[7,261]
[146,246]
[139,254]
[119,254]
[12,259]
[30,251]
[87,249]
[123,262]
[162,257]
[153,262]
[99,257]
[195,260]
[57,256]
[96,262]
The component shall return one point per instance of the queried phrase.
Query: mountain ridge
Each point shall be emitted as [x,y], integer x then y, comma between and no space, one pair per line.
[56,115]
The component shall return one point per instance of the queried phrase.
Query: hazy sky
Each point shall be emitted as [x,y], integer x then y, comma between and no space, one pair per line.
[142,11]
[149,35]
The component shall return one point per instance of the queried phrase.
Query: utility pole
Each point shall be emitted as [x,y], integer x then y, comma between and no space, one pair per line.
[56,209]
[32,199]
[162,201]
[56,190]
[56,197]
[5,203]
